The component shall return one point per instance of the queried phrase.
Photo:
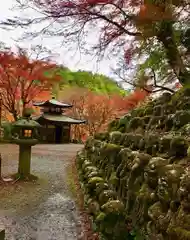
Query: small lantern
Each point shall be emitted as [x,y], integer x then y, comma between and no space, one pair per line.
[25,134]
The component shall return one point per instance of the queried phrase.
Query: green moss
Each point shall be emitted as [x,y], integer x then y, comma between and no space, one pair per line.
[146,119]
[179,146]
[154,122]
[157,110]
[101,216]
[123,123]
[164,143]
[93,174]
[106,196]
[182,234]
[148,110]
[80,159]
[169,122]
[101,186]
[92,183]
[103,136]
[90,169]
[184,105]
[152,143]
[113,125]
[86,164]
[127,139]
[139,112]
[116,137]
[110,149]
[136,122]
[113,206]
[113,180]
[181,118]
[185,130]
[136,141]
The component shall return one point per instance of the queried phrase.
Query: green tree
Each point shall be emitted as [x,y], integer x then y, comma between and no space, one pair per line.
[94,82]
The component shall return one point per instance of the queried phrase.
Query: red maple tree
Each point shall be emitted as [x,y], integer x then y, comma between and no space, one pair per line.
[98,109]
[123,22]
[23,79]
[127,103]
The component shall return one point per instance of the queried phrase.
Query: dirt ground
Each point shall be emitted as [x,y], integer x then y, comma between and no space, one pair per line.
[43,210]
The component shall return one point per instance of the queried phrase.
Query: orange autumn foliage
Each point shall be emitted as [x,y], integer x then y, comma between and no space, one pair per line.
[22,80]
[98,109]
[152,12]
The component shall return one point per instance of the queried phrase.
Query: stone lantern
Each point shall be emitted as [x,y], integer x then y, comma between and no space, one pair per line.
[25,134]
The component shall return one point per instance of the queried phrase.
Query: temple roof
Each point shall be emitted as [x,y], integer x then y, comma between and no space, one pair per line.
[59,118]
[52,102]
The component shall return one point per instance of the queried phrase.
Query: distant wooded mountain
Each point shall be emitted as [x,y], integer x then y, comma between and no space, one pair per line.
[95,82]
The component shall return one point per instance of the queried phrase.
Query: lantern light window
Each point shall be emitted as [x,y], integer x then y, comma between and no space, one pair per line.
[27,133]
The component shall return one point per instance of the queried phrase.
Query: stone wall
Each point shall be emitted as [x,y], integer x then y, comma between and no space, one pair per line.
[136,176]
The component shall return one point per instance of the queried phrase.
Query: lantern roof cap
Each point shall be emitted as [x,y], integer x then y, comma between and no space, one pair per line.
[26,122]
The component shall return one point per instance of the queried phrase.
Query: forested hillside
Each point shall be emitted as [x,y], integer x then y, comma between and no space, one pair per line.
[94,82]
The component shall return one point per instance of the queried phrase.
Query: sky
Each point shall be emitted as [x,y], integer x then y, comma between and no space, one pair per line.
[72,59]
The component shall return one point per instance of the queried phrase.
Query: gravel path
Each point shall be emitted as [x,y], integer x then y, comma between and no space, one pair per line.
[43,210]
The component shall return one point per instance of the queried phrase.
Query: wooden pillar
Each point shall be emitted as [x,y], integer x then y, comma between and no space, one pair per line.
[69,133]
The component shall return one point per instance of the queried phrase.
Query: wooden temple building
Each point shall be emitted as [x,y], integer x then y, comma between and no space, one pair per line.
[55,125]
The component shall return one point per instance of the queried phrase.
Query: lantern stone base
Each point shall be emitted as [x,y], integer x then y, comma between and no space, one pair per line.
[27,178]
[24,160]
[24,164]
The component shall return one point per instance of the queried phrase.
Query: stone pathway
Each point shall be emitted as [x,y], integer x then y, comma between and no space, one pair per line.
[43,210]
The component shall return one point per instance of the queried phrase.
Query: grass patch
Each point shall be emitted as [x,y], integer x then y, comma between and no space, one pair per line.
[71,180]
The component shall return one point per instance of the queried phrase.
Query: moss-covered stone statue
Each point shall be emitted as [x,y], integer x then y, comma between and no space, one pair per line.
[137,177]
[163,211]
[25,134]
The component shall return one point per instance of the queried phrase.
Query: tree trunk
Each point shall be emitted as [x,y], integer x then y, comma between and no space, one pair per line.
[15,116]
[166,36]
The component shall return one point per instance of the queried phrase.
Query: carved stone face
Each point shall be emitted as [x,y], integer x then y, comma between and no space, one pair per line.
[151,170]
[140,161]
[168,182]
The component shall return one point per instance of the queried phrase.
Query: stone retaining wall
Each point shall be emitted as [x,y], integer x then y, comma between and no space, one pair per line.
[136,176]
